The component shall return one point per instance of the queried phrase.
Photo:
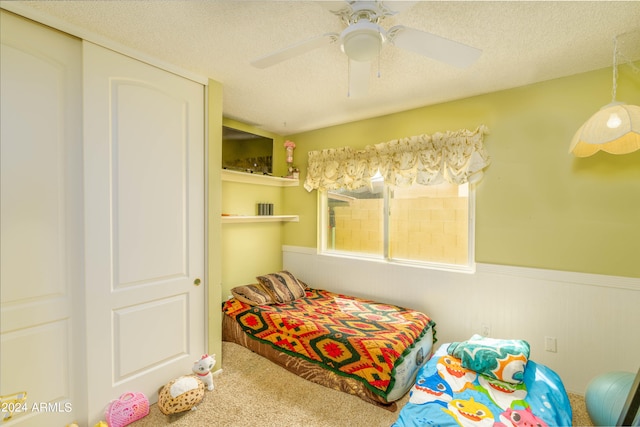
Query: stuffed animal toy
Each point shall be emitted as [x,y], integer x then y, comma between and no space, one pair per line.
[181,394]
[202,368]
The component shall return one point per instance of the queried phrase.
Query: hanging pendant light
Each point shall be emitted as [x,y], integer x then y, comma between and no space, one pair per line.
[614,129]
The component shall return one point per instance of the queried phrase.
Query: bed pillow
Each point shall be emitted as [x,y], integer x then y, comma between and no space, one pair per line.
[284,286]
[253,294]
[504,360]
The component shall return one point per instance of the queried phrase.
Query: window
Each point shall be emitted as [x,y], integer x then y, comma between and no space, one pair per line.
[423,214]
[429,225]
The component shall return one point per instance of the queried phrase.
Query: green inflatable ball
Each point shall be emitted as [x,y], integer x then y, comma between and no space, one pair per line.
[606,395]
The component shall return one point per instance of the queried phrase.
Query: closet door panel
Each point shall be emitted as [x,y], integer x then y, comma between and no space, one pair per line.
[144,214]
[41,222]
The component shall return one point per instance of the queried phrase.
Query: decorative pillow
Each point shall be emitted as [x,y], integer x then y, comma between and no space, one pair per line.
[504,360]
[253,294]
[283,286]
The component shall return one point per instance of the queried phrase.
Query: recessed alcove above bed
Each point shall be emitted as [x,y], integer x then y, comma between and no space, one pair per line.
[246,152]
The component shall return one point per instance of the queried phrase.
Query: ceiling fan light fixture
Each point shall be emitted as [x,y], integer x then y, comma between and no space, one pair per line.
[362,41]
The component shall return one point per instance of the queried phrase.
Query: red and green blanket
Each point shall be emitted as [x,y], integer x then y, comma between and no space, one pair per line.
[351,336]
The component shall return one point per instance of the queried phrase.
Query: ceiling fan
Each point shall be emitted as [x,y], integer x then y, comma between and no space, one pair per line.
[364,37]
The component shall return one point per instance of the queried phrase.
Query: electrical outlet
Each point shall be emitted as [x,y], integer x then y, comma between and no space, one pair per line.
[551,344]
[485,330]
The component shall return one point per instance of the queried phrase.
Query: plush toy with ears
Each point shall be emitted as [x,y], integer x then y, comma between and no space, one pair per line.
[202,368]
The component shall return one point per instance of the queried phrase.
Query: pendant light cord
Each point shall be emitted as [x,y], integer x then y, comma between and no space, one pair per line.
[379,49]
[615,70]
[620,55]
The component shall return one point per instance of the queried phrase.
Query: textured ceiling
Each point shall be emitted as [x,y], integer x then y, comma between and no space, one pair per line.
[522,43]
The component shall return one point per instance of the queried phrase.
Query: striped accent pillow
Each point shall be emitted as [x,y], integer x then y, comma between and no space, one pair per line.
[253,294]
[284,286]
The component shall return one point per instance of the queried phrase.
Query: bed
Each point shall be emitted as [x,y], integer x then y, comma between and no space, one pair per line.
[361,347]
[448,393]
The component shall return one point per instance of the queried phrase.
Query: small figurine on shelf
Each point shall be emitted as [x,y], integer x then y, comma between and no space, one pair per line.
[289,146]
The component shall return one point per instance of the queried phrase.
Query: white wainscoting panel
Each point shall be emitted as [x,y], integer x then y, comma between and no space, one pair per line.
[593,318]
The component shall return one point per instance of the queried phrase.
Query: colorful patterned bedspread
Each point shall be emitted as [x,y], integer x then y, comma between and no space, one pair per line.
[446,394]
[350,336]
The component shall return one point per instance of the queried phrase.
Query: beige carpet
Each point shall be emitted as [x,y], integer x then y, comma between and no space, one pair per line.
[251,391]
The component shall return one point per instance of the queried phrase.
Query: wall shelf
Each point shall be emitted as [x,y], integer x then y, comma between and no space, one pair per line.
[231,219]
[252,178]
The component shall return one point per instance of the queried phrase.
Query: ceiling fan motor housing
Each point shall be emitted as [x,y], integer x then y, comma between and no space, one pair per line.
[362,41]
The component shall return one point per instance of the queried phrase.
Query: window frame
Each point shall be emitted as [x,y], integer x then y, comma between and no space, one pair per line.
[322,237]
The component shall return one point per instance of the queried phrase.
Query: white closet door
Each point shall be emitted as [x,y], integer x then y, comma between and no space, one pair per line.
[144,217]
[41,222]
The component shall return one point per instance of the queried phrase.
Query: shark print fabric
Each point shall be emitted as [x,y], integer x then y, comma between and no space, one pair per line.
[446,393]
[504,360]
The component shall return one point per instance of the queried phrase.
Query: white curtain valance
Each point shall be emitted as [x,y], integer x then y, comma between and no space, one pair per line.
[455,157]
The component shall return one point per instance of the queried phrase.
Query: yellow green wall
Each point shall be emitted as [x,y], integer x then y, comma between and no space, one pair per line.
[537,206]
[249,249]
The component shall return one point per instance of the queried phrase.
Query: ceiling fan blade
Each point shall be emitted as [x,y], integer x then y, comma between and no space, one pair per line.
[295,50]
[337,7]
[344,8]
[398,6]
[359,72]
[451,52]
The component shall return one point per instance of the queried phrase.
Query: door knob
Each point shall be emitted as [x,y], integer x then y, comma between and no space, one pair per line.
[197,282]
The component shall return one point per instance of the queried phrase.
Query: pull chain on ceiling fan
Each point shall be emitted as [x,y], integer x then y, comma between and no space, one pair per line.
[364,37]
